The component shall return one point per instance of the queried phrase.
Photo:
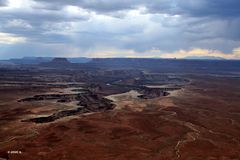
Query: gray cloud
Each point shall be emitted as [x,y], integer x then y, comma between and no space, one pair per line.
[3,2]
[222,8]
[198,8]
[95,5]
[36,24]
[136,25]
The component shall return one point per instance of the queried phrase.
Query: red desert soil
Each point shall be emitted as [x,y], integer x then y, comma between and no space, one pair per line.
[200,122]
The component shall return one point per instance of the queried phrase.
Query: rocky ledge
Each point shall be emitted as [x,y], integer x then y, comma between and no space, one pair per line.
[88,102]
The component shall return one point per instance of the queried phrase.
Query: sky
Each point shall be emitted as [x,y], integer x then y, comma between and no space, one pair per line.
[120,28]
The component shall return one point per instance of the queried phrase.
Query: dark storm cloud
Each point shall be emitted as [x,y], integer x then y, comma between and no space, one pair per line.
[95,5]
[199,8]
[38,16]
[136,25]
[196,8]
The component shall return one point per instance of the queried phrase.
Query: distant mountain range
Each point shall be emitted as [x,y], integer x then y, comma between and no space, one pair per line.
[204,58]
[154,64]
[38,60]
[82,60]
